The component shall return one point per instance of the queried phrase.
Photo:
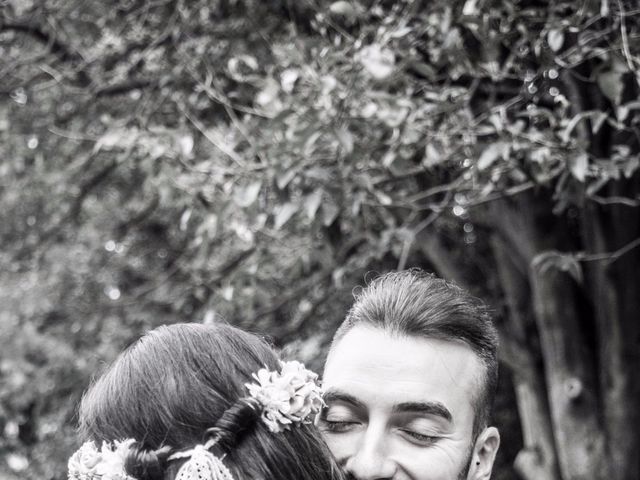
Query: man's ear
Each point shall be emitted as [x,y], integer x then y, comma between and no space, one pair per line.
[484,454]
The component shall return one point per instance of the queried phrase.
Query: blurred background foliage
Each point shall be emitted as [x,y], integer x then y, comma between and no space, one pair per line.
[252,161]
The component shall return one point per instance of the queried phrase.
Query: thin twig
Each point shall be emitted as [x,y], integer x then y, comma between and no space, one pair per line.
[435,190]
[208,88]
[629,202]
[406,248]
[71,135]
[228,152]
[509,192]
[610,257]
[625,41]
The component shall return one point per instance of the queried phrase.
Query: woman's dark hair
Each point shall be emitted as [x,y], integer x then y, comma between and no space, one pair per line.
[181,384]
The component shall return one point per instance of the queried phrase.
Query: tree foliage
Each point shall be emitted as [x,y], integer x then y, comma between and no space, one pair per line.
[177,160]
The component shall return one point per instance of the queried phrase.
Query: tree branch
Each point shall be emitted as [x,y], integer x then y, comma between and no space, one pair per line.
[56,47]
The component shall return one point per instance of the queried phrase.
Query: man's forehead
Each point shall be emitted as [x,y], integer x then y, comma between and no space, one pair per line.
[366,344]
[382,367]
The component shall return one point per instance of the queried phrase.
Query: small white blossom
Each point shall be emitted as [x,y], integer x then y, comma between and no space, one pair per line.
[288,396]
[89,463]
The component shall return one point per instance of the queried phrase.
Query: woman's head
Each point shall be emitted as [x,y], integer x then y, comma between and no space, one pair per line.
[179,381]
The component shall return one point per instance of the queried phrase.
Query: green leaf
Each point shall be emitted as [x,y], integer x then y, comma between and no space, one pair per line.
[330,211]
[21,6]
[185,144]
[598,121]
[594,187]
[555,39]
[470,7]
[246,195]
[579,166]
[283,179]
[345,138]
[388,159]
[631,166]
[433,155]
[596,115]
[184,219]
[423,69]
[310,143]
[610,83]
[319,174]
[267,98]
[312,203]
[284,213]
[383,198]
[227,293]
[622,112]
[357,203]
[4,118]
[492,153]
[118,138]
[379,62]
[346,9]
[242,67]
[288,79]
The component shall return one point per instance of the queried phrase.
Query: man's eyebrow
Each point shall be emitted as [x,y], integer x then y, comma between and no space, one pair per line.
[429,408]
[340,396]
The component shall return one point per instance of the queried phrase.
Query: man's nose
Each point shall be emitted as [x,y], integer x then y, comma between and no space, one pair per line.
[371,460]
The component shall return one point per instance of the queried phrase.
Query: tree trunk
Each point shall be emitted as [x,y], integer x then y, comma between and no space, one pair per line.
[570,375]
[537,460]
[616,300]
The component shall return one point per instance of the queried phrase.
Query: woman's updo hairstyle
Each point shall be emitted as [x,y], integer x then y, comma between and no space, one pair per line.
[183,384]
[234,422]
[145,464]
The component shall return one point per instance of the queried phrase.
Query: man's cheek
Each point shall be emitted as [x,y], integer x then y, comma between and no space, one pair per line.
[439,462]
[341,445]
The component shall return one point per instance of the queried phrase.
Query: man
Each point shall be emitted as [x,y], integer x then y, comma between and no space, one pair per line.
[409,383]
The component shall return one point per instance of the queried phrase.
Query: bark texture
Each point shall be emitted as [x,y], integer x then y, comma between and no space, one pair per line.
[570,375]
[537,460]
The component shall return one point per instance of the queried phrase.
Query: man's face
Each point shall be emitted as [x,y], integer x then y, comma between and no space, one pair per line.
[401,407]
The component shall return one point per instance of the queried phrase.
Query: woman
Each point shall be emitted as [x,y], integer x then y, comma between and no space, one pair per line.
[192,401]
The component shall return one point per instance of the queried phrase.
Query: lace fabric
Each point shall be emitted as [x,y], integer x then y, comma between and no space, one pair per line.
[201,465]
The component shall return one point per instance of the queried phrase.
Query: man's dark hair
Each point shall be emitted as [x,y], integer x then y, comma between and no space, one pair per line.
[177,383]
[417,304]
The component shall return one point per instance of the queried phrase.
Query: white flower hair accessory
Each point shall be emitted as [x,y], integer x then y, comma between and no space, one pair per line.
[287,397]
[89,463]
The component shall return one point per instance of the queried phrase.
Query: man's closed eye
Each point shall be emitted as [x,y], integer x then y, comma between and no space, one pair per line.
[419,438]
[337,419]
[337,426]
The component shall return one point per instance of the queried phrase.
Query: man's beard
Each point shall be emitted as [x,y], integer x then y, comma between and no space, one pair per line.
[465,471]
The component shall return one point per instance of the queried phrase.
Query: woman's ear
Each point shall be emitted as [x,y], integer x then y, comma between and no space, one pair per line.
[484,454]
